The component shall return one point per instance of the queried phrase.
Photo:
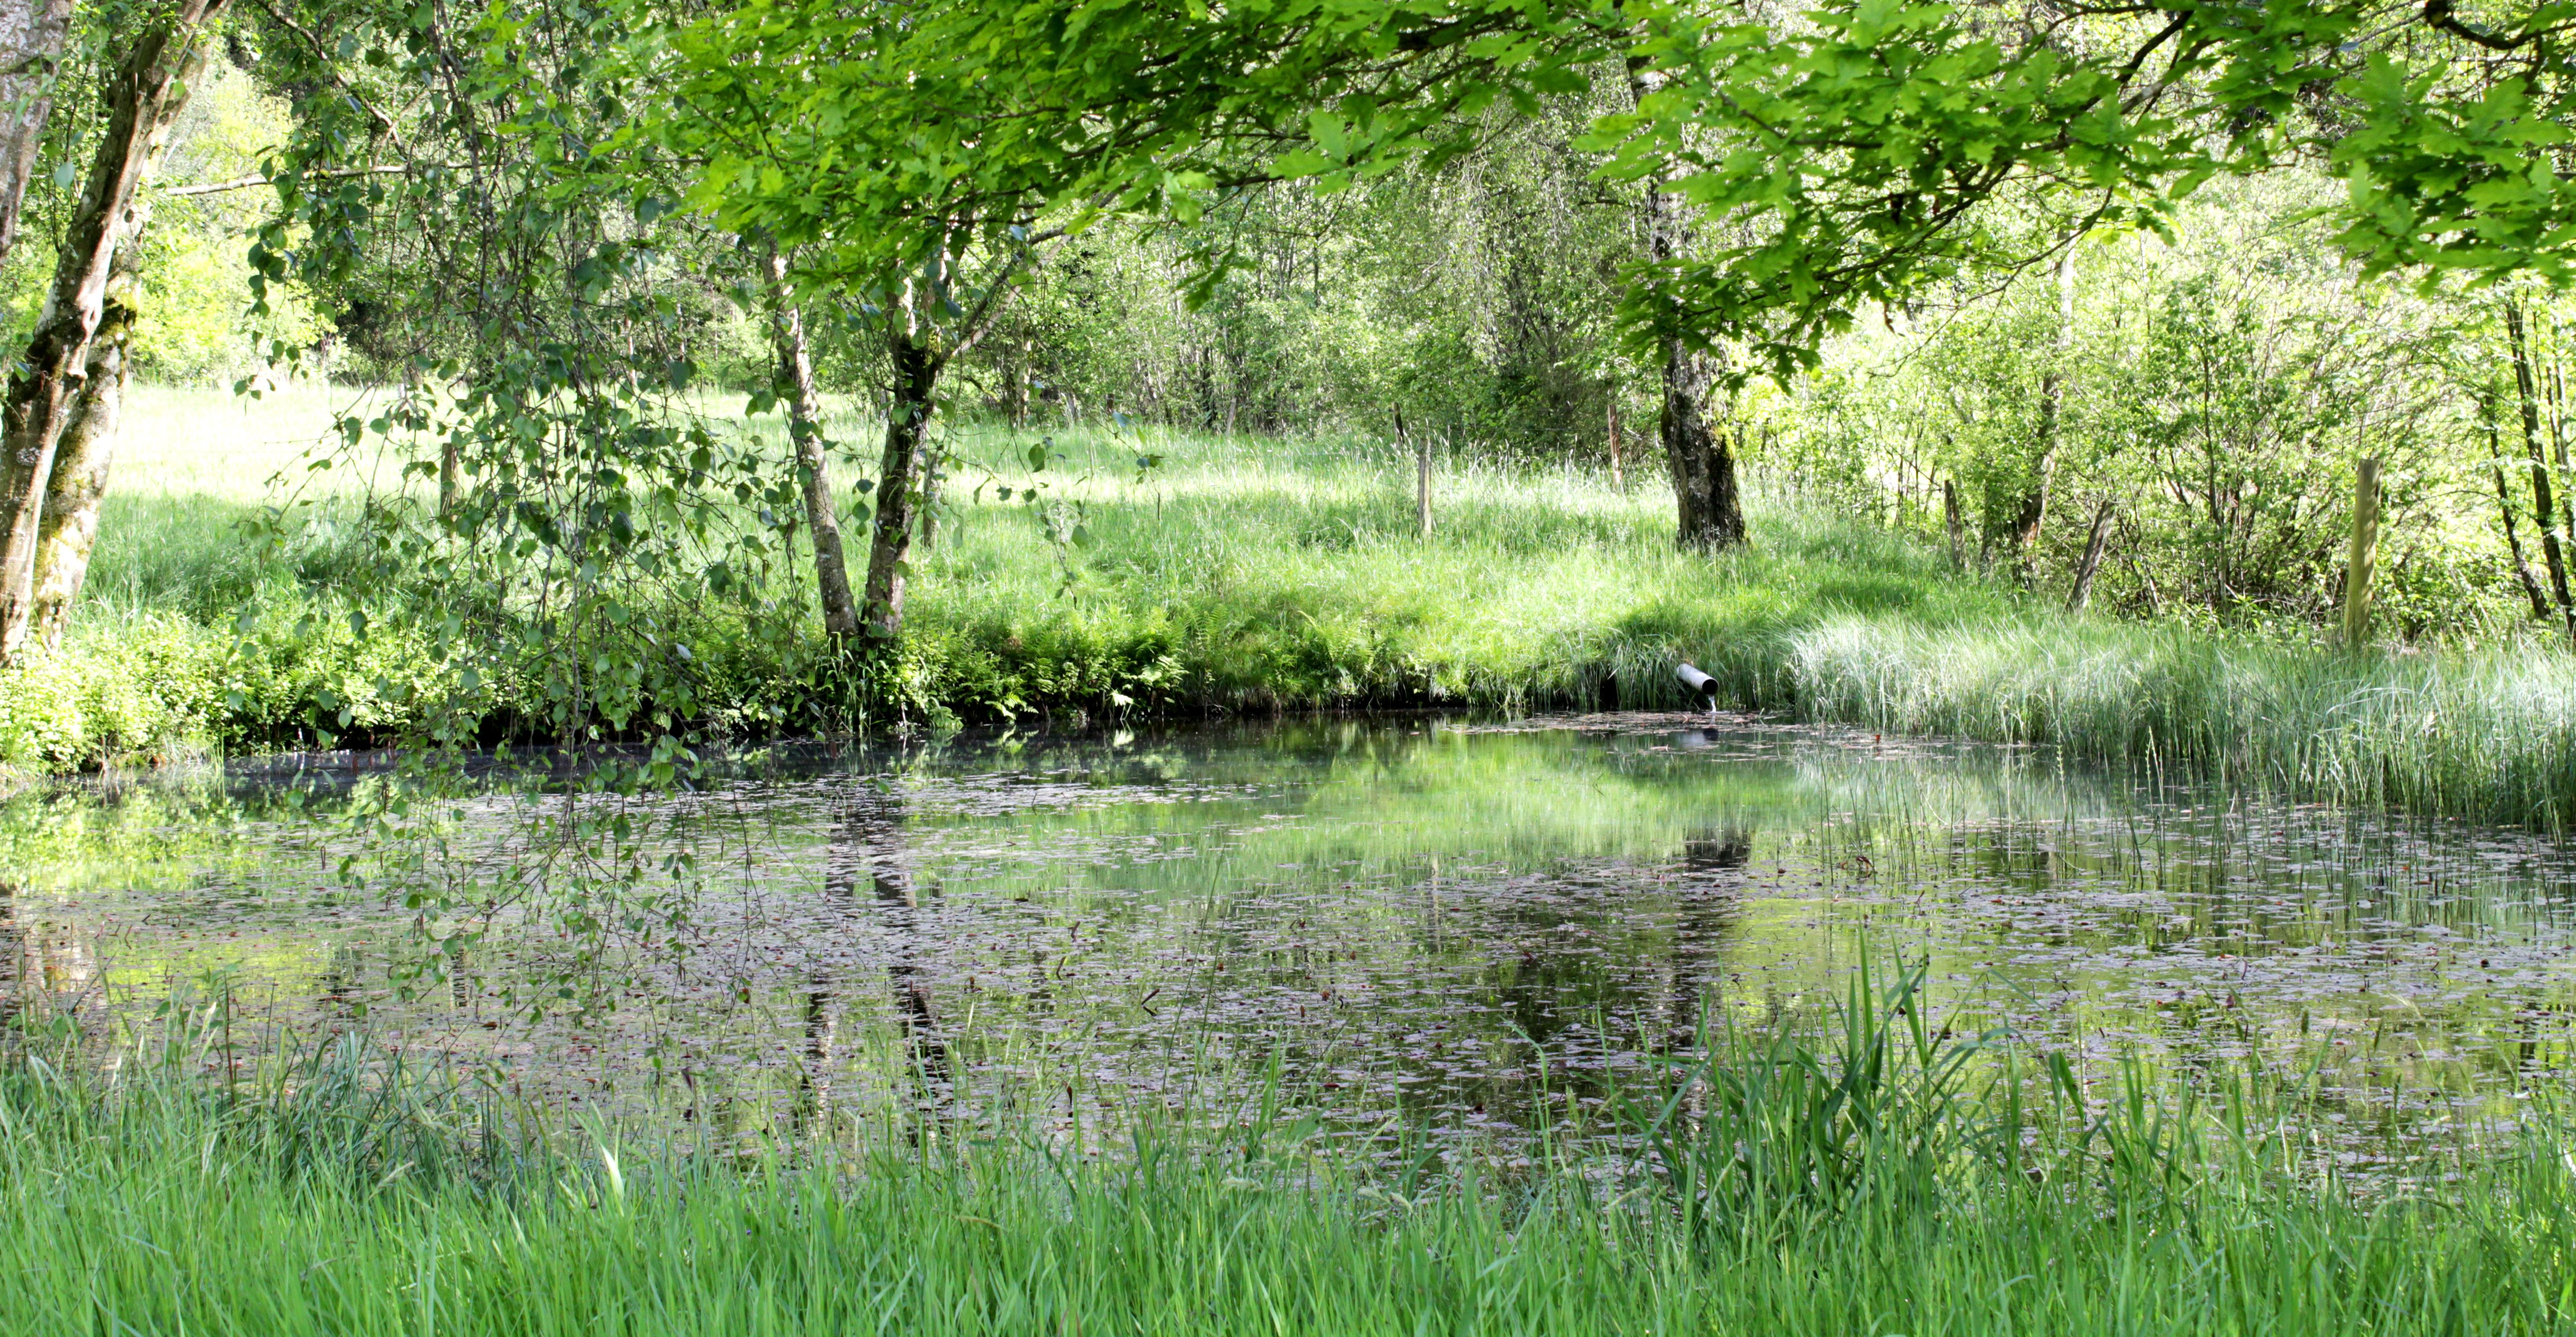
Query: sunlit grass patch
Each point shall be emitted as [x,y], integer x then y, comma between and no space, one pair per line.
[1243,576]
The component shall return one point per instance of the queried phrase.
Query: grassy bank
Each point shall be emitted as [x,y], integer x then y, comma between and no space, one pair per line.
[1861,1184]
[1256,576]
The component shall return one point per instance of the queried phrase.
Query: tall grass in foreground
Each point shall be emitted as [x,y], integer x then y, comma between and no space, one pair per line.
[1860,1180]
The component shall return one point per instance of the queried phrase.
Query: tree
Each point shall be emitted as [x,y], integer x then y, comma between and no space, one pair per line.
[1849,158]
[894,150]
[31,53]
[464,188]
[48,392]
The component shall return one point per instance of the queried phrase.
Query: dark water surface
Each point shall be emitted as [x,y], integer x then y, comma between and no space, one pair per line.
[1450,925]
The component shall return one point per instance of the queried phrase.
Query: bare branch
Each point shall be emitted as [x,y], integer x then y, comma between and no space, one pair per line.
[336,174]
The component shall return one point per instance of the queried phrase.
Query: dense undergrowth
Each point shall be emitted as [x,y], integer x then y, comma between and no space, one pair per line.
[1865,1173]
[1251,577]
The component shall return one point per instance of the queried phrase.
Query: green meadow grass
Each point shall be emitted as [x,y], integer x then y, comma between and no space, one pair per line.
[1860,1177]
[1253,576]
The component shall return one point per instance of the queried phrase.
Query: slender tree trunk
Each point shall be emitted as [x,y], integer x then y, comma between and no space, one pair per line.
[1699,454]
[813,464]
[2543,504]
[1954,522]
[2033,511]
[2557,417]
[145,93]
[451,478]
[1618,466]
[67,528]
[916,376]
[31,52]
[2363,560]
[2085,570]
[2504,506]
[1020,379]
[1422,485]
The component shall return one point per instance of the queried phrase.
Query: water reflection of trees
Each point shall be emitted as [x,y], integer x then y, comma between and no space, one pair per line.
[867,868]
[1579,992]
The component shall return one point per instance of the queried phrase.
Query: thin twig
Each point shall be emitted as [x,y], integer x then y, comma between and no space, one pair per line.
[333,174]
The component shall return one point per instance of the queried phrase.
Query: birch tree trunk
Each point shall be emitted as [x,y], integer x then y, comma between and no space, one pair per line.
[31,53]
[145,94]
[805,434]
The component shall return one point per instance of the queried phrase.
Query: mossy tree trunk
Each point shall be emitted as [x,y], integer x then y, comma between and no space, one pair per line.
[144,94]
[67,529]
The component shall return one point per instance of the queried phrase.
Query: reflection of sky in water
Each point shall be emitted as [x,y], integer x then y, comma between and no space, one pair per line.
[1453,923]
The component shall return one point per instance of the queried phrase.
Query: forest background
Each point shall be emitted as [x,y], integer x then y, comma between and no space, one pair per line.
[1306,355]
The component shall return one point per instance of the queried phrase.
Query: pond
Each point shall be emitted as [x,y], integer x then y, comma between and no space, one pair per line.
[1463,929]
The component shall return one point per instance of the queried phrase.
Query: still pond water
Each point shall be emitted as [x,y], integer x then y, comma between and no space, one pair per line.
[1457,926]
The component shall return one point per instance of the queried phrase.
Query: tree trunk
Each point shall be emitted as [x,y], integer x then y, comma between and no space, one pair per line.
[2504,505]
[1020,379]
[145,94]
[2543,505]
[2557,398]
[451,478]
[813,464]
[930,477]
[67,528]
[2033,512]
[1954,523]
[1421,478]
[916,375]
[1618,471]
[31,50]
[2085,570]
[2363,560]
[1700,457]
